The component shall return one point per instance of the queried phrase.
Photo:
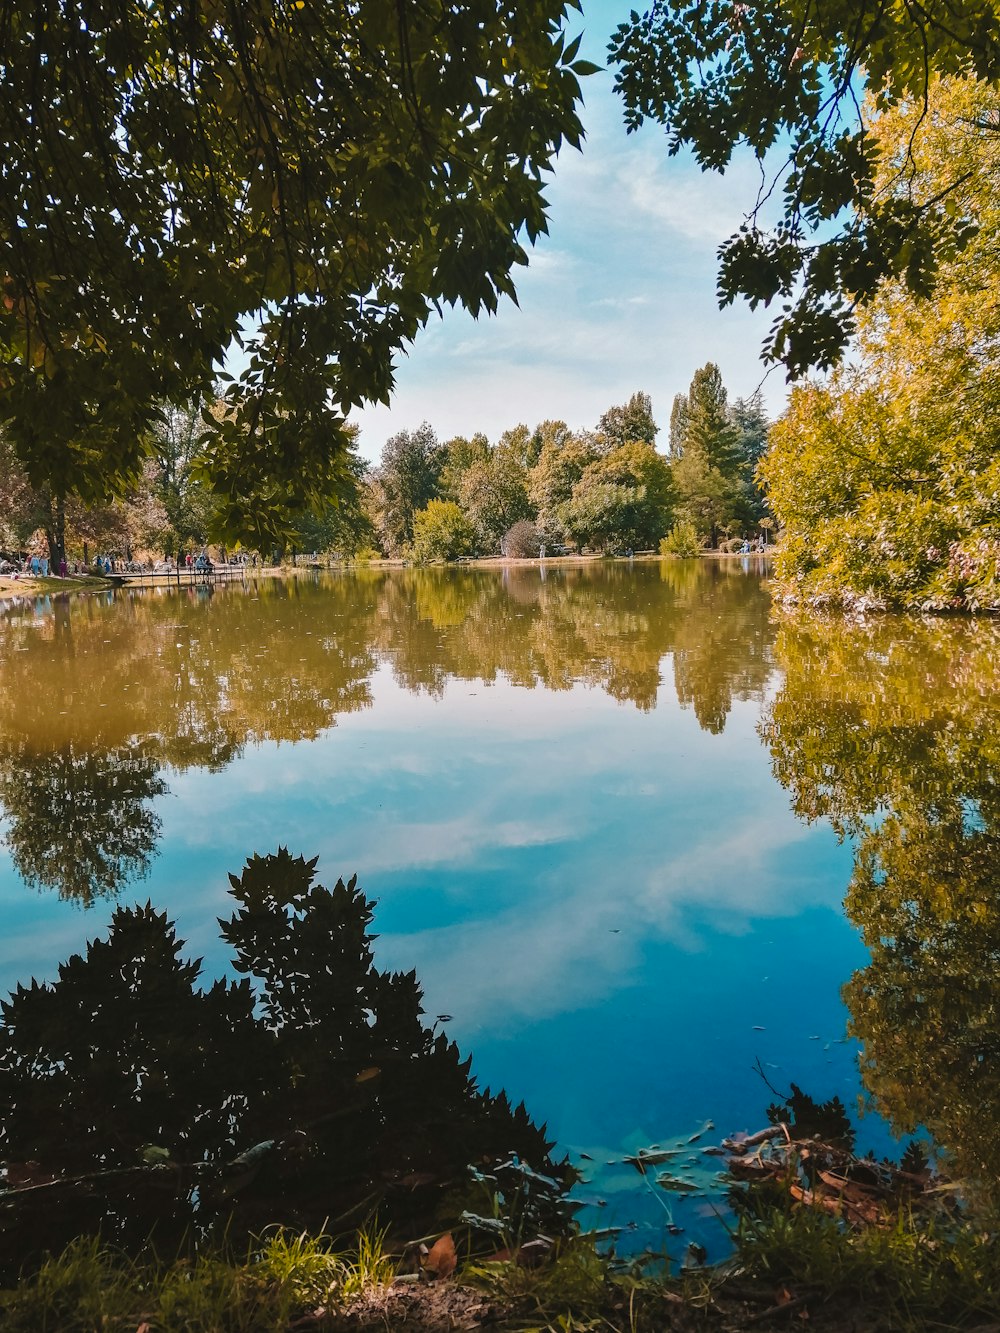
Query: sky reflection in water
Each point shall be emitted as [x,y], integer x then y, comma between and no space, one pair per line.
[556,791]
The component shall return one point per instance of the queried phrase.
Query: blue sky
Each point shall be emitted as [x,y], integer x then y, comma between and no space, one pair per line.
[619,296]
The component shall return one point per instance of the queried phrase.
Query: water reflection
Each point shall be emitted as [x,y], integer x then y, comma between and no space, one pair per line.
[889,730]
[103,696]
[80,820]
[310,1092]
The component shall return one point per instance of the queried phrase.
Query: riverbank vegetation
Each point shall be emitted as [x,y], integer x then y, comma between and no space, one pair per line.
[813,1260]
[884,476]
[807,1268]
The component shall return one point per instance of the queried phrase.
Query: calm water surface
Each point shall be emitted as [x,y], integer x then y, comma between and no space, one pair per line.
[609,814]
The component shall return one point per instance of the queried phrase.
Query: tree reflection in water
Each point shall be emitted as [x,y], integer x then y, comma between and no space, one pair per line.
[80,820]
[104,697]
[308,1093]
[889,730]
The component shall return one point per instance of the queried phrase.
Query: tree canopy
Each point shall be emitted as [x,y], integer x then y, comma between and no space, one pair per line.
[310,178]
[784,77]
[885,476]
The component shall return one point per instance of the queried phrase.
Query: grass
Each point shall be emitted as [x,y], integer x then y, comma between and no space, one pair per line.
[91,1286]
[917,1274]
[909,1277]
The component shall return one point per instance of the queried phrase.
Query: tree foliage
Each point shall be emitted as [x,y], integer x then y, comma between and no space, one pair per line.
[405,480]
[623,500]
[629,423]
[441,531]
[886,477]
[31,515]
[562,461]
[494,491]
[783,79]
[310,178]
[711,455]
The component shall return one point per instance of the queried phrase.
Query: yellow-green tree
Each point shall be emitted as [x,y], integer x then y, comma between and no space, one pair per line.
[885,478]
[441,531]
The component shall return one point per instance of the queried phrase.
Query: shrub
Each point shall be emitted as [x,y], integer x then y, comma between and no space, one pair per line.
[523,541]
[682,540]
[442,532]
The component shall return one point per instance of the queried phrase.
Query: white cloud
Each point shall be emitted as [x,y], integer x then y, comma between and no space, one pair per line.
[619,296]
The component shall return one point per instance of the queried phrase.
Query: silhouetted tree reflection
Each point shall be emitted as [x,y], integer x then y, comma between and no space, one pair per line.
[889,730]
[307,1092]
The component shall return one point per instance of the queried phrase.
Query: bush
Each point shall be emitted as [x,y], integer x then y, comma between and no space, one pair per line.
[523,541]
[682,540]
[442,532]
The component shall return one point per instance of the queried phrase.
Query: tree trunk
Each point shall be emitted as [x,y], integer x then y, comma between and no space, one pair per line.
[55,531]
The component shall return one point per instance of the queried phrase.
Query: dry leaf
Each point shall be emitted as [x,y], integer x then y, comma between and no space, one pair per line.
[441,1259]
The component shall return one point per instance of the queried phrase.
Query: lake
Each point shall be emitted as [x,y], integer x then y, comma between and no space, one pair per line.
[610,814]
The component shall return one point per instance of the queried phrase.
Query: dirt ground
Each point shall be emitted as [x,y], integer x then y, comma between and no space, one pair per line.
[450,1307]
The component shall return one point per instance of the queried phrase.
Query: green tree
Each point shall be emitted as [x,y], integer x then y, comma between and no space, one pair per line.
[629,423]
[623,500]
[457,456]
[310,179]
[562,461]
[405,480]
[494,491]
[522,445]
[707,469]
[442,531]
[678,425]
[342,525]
[886,477]
[135,520]
[175,441]
[783,79]
[750,419]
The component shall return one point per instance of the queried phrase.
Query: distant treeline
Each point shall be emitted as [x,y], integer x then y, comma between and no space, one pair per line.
[554,489]
[607,489]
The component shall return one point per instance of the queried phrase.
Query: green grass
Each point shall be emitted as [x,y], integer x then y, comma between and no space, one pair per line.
[91,1288]
[917,1274]
[909,1277]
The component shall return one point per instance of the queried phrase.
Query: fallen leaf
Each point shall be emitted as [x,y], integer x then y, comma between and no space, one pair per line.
[441,1259]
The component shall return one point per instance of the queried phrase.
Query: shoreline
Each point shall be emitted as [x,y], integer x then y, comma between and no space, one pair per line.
[29,586]
[23,586]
